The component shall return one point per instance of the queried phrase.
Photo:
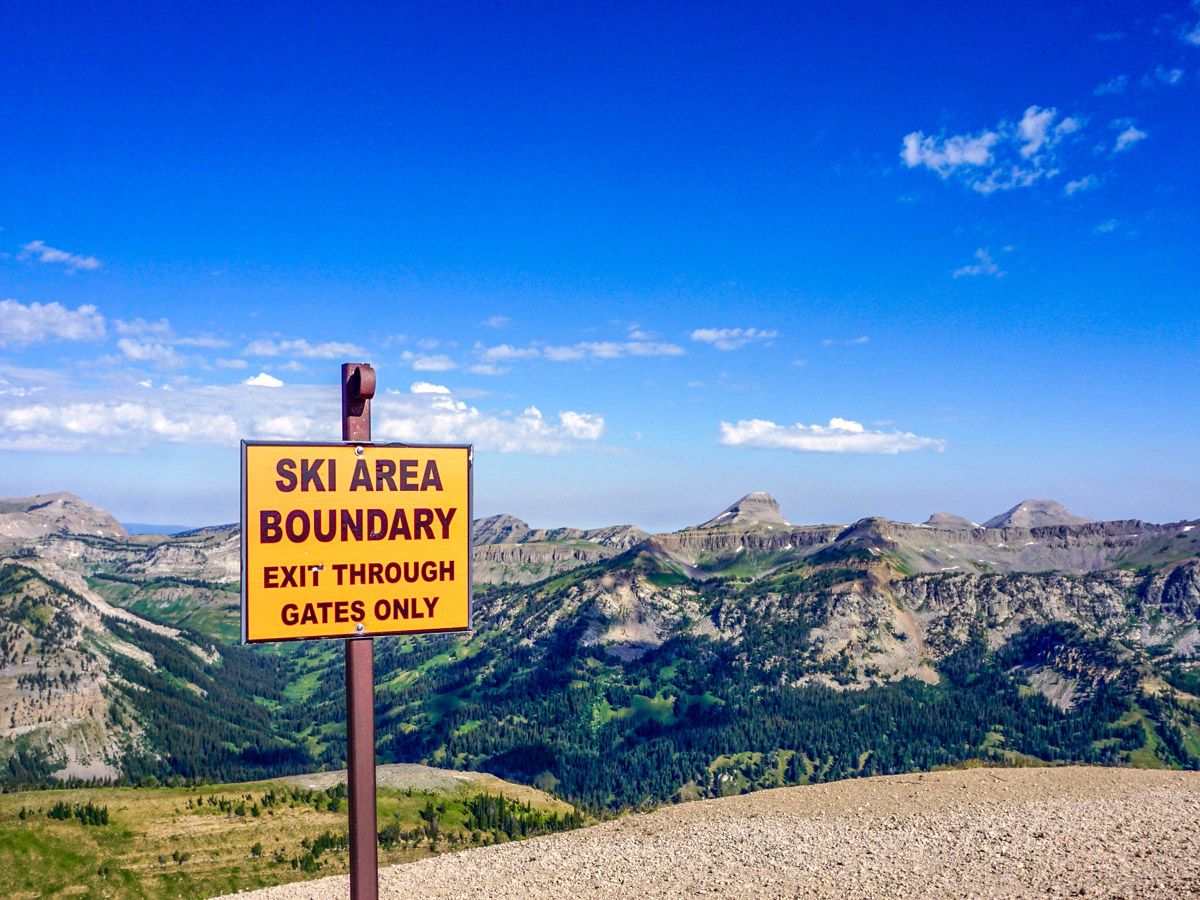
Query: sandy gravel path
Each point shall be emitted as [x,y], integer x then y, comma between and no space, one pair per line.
[983,833]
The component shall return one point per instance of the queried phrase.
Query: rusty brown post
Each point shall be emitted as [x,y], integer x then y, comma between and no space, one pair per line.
[358,387]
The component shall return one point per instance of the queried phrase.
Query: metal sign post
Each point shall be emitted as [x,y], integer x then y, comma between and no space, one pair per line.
[352,540]
[358,387]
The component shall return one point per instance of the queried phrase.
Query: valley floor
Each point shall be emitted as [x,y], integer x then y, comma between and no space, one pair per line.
[984,833]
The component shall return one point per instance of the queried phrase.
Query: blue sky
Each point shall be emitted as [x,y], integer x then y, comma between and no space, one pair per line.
[874,259]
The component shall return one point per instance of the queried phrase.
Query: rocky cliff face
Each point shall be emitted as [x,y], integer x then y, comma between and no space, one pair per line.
[507,550]
[58,697]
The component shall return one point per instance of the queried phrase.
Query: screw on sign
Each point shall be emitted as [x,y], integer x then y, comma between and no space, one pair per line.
[356,540]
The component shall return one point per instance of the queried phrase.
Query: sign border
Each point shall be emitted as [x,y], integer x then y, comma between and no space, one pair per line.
[470,448]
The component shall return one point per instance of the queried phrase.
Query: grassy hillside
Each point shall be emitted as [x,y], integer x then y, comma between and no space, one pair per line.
[201,841]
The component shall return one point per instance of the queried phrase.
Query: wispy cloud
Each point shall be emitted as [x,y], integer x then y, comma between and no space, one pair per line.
[1190,34]
[732,338]
[37,250]
[1086,183]
[984,265]
[303,349]
[583,350]
[851,342]
[610,350]
[427,362]
[1164,75]
[142,328]
[505,352]
[35,323]
[1130,135]
[151,351]
[496,321]
[1001,158]
[1108,226]
[839,436]
[1115,85]
[151,341]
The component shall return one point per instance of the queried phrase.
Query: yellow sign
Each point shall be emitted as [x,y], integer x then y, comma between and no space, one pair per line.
[345,540]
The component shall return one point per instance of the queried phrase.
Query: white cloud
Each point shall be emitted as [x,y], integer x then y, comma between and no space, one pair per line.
[1128,137]
[231,363]
[946,155]
[125,418]
[1191,35]
[985,266]
[206,343]
[505,352]
[1168,76]
[1032,129]
[487,369]
[149,351]
[490,356]
[496,321]
[39,251]
[997,159]
[610,350]
[839,436]
[262,379]
[21,325]
[142,328]
[305,350]
[423,362]
[1086,183]
[287,428]
[98,420]
[1115,85]
[582,426]
[732,338]
[425,387]
[1108,226]
[439,418]
[851,342]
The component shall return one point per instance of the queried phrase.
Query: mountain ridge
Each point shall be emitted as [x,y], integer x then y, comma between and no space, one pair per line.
[648,640]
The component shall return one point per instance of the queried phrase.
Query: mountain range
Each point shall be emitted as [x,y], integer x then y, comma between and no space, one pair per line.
[618,667]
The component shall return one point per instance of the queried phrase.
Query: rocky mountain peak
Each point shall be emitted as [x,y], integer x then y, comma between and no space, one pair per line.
[756,508]
[1035,514]
[25,518]
[501,529]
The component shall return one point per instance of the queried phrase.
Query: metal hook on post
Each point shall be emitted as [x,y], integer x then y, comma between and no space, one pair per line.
[358,387]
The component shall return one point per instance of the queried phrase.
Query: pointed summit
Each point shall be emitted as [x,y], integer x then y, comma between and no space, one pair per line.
[758,508]
[1035,514]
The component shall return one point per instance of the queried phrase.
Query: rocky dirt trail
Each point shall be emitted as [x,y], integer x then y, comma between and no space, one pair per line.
[981,833]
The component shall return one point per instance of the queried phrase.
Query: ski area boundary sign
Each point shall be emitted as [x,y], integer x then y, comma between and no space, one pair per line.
[343,540]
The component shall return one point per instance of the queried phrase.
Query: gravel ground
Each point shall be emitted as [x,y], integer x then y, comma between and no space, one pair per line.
[980,833]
